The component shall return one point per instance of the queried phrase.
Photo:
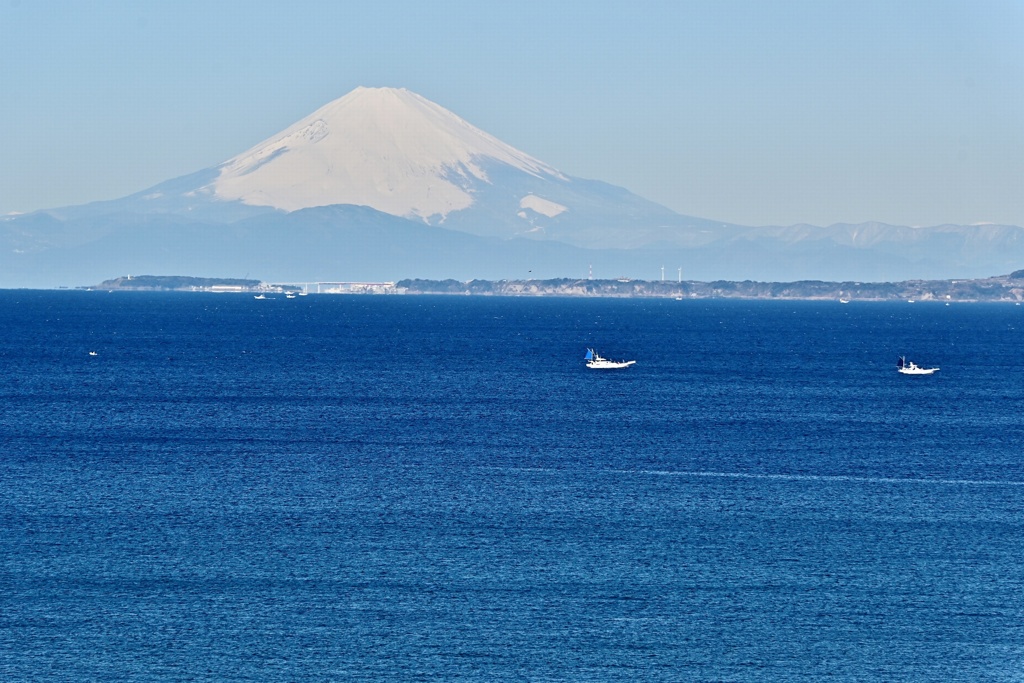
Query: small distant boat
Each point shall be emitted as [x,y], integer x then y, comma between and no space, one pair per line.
[844,301]
[303,293]
[596,362]
[93,353]
[259,296]
[289,296]
[905,367]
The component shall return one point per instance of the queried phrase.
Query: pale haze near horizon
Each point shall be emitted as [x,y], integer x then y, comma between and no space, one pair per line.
[746,112]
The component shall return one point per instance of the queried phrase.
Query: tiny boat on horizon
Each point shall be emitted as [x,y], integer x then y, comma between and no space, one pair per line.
[905,367]
[596,362]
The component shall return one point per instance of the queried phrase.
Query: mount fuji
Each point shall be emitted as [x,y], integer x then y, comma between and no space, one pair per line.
[383,184]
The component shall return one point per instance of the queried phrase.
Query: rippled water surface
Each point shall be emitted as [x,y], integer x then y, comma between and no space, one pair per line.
[412,488]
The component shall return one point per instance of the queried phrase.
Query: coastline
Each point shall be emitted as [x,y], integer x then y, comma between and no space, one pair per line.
[1008,288]
[1005,288]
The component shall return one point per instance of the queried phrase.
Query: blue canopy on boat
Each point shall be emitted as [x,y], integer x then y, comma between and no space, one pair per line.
[590,355]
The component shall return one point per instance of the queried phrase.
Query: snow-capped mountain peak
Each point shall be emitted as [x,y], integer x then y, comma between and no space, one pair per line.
[384,184]
[386,148]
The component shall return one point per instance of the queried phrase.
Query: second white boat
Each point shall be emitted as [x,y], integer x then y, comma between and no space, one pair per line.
[905,367]
[596,362]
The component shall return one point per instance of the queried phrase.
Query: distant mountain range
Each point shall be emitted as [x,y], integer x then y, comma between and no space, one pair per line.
[383,184]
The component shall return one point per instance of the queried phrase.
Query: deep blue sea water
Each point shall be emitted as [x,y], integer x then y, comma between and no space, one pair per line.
[346,488]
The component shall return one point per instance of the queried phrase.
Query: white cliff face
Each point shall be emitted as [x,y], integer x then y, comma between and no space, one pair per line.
[385,148]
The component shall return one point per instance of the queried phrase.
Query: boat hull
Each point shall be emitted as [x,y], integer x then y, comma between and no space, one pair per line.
[609,365]
[917,371]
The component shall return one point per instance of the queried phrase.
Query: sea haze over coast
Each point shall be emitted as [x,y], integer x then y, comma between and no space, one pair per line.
[383,184]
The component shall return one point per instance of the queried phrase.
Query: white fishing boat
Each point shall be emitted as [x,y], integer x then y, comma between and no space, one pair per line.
[910,368]
[260,296]
[597,362]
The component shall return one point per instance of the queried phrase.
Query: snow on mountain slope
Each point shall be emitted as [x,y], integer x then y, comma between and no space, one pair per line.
[542,206]
[386,148]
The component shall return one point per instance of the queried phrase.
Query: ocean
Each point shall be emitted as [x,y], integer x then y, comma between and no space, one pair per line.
[359,488]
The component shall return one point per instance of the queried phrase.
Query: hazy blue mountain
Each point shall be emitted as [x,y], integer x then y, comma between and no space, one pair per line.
[383,184]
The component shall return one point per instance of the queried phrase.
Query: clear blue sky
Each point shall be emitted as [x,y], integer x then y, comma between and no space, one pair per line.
[751,112]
